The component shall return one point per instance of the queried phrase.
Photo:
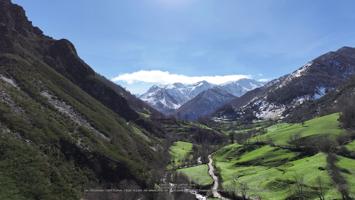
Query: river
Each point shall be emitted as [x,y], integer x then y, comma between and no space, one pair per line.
[215,186]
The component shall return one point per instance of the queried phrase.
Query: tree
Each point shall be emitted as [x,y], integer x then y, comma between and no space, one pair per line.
[294,139]
[326,145]
[347,117]
[336,176]
[320,188]
[243,187]
[299,187]
[231,137]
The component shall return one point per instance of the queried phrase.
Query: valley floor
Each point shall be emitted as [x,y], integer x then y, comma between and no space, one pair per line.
[310,160]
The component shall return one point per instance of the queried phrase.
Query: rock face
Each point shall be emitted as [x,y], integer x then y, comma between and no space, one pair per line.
[204,104]
[169,98]
[62,125]
[310,82]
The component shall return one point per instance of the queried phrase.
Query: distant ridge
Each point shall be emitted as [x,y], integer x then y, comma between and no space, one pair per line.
[169,98]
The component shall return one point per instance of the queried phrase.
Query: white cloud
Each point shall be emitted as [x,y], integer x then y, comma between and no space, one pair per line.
[165,77]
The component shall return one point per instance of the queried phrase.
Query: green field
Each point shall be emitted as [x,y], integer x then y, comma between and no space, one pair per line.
[266,156]
[347,167]
[281,133]
[273,182]
[273,172]
[351,146]
[198,175]
[179,151]
[228,152]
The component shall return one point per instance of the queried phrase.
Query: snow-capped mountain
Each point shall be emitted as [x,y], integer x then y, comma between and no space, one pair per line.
[238,88]
[279,97]
[204,104]
[168,98]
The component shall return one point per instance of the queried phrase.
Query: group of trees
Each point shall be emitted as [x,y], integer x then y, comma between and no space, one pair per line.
[331,147]
[244,137]
[299,189]
[347,108]
[335,174]
[238,190]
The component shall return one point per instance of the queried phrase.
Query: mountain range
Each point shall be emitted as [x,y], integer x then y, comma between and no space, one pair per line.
[204,104]
[169,98]
[251,100]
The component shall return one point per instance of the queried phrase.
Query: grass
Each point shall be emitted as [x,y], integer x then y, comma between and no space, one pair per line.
[347,167]
[27,174]
[351,146]
[198,175]
[140,133]
[47,150]
[144,115]
[253,154]
[180,151]
[202,126]
[266,155]
[271,172]
[276,182]
[228,152]
[325,125]
[233,127]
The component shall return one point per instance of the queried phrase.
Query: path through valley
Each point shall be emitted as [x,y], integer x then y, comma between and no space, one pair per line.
[215,186]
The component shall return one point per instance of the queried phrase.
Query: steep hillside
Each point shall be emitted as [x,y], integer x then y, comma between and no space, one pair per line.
[194,132]
[335,101]
[278,98]
[62,126]
[204,104]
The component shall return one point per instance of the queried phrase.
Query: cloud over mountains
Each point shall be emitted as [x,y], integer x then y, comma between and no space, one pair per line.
[165,77]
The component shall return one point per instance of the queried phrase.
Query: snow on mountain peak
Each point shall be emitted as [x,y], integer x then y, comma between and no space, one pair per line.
[167,98]
[300,71]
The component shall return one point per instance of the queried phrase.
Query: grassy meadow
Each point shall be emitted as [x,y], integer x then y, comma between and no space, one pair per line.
[179,151]
[276,170]
[197,174]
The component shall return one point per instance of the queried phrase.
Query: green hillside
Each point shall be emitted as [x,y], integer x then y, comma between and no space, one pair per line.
[351,146]
[281,133]
[63,127]
[66,130]
[347,167]
[179,152]
[198,175]
[276,171]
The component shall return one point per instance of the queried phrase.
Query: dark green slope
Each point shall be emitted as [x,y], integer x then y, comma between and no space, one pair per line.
[63,127]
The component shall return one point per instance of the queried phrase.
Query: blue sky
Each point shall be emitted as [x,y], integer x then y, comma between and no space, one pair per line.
[262,39]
